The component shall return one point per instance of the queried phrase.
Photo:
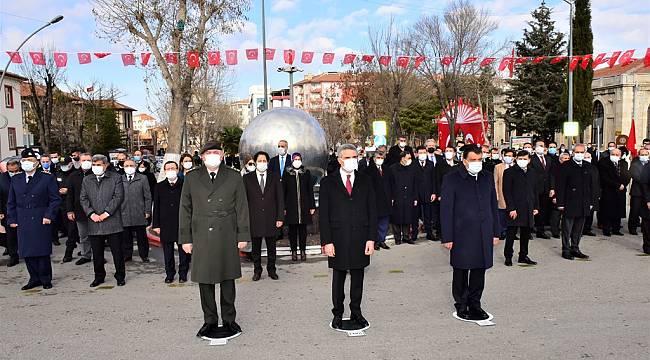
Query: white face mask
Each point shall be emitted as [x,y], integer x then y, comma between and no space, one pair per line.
[611,148]
[643,158]
[55,160]
[86,165]
[579,156]
[402,144]
[379,162]
[282,151]
[474,167]
[129,170]
[141,169]
[530,150]
[350,165]
[587,160]
[76,164]
[422,157]
[508,159]
[212,160]
[495,156]
[297,164]
[408,162]
[171,175]
[614,159]
[187,165]
[262,166]
[449,155]
[485,155]
[65,168]
[539,150]
[522,163]
[27,165]
[98,170]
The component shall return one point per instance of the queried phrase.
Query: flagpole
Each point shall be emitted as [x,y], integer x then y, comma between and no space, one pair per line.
[266,90]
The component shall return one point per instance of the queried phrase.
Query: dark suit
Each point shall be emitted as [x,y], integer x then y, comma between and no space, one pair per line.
[636,195]
[544,171]
[364,163]
[11,235]
[612,201]
[595,192]
[426,186]
[393,154]
[442,169]
[404,194]
[347,221]
[274,164]
[265,209]
[520,194]
[574,194]
[166,202]
[73,205]
[645,212]
[381,185]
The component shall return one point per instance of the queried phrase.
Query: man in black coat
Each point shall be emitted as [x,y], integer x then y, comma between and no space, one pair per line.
[279,163]
[522,202]
[394,151]
[645,211]
[595,192]
[425,175]
[13,168]
[543,165]
[470,229]
[166,202]
[380,182]
[62,173]
[348,229]
[266,209]
[75,211]
[614,178]
[636,195]
[443,167]
[574,200]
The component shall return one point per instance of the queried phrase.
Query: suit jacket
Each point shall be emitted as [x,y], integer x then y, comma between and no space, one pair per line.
[612,200]
[274,164]
[137,200]
[442,169]
[393,154]
[347,221]
[298,189]
[545,177]
[98,197]
[73,183]
[520,194]
[264,208]
[404,193]
[166,203]
[381,185]
[498,183]
[5,184]
[425,179]
[574,189]
[636,168]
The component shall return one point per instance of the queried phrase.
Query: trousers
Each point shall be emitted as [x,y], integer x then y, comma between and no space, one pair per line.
[467,288]
[115,243]
[184,260]
[40,269]
[338,290]
[141,238]
[297,235]
[524,237]
[209,303]
[256,253]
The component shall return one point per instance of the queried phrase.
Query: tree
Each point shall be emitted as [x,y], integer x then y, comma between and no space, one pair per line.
[416,120]
[229,138]
[534,99]
[170,26]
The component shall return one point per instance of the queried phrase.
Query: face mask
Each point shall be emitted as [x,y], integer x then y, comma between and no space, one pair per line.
[55,160]
[212,160]
[86,165]
[76,158]
[587,160]
[282,151]
[611,148]
[297,164]
[615,159]
[46,166]
[262,166]
[485,155]
[422,157]
[539,150]
[349,165]
[171,175]
[449,155]
[27,165]
[129,170]
[552,151]
[379,162]
[137,158]
[408,162]
[11,174]
[522,163]
[431,150]
[508,159]
[65,168]
[120,163]
[530,150]
[250,168]
[643,158]
[141,169]
[579,156]
[474,167]
[495,156]
[98,170]
[402,144]
[76,164]
[187,165]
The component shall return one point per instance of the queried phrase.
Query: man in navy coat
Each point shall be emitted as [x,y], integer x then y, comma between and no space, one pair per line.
[32,207]
[470,229]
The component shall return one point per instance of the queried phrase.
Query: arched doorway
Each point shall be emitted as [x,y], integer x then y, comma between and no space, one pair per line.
[598,114]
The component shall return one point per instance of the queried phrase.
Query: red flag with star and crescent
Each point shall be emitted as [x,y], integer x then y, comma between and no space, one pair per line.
[84,58]
[60,59]
[328,58]
[37,58]
[231,57]
[144,58]
[193,60]
[251,54]
[307,57]
[349,59]
[289,56]
[270,54]
[384,60]
[171,58]
[128,59]
[214,58]
[15,57]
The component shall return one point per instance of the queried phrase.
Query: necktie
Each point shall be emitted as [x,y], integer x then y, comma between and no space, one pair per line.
[212,176]
[618,170]
[281,165]
[130,178]
[422,163]
[381,172]
[348,185]
[29,179]
[262,183]
[543,161]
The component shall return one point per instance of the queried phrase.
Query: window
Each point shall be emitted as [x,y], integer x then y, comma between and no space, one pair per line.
[11,133]
[9,97]
[598,114]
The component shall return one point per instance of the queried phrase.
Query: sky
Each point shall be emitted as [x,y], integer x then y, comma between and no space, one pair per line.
[338,26]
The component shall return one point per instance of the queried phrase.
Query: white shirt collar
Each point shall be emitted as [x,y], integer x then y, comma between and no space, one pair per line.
[344,176]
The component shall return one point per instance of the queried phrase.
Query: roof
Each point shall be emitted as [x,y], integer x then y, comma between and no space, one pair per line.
[112,104]
[325,77]
[143,117]
[636,67]
[12,75]
[26,90]
[245,101]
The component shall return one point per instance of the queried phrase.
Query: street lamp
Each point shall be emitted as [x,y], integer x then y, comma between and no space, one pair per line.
[571,4]
[266,90]
[290,69]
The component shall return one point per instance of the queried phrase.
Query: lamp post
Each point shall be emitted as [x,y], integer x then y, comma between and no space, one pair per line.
[571,4]
[266,90]
[290,69]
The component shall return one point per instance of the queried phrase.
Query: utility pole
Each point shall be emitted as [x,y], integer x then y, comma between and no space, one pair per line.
[290,70]
[266,88]
[570,112]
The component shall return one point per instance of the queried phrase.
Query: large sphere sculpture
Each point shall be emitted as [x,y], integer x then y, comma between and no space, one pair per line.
[301,130]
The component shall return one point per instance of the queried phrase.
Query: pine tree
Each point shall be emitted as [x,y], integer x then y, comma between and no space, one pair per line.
[534,96]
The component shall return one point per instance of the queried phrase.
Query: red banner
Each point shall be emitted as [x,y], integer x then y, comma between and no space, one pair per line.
[251,54]
[214,58]
[231,57]
[270,54]
[144,58]
[307,57]
[16,59]
[37,58]
[60,59]
[193,60]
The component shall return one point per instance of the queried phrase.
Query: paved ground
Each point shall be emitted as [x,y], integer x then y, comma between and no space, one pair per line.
[558,310]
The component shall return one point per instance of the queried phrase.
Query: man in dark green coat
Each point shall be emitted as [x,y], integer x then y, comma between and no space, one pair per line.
[213,226]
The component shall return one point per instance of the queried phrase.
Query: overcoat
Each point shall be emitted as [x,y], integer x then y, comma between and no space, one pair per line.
[298,196]
[520,194]
[574,188]
[213,217]
[166,202]
[105,195]
[612,200]
[403,193]
[381,185]
[264,208]
[425,179]
[137,200]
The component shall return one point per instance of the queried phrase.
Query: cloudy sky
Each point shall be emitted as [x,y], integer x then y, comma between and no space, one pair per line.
[316,25]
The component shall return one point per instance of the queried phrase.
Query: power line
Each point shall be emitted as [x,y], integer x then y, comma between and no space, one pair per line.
[23,17]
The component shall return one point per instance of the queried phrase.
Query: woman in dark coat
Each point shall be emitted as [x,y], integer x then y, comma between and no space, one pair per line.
[145,169]
[299,204]
[404,196]
[186,164]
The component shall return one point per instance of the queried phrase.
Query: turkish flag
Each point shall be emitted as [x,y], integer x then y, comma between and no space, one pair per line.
[539,59]
[192,58]
[585,61]
[171,58]
[37,58]
[506,62]
[270,53]
[128,59]
[101,55]
[403,61]
[558,59]
[307,57]
[384,60]
[574,62]
[599,60]
[487,61]
[289,56]
[367,58]
[646,61]
[328,58]
[626,58]
[612,60]
[144,58]
[61,59]
[470,60]
[522,60]
[231,57]
[418,60]
[84,58]
[349,59]
[251,54]
[631,140]
[16,59]
[447,60]
[214,58]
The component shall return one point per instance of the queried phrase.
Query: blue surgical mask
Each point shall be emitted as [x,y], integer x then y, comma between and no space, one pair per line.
[46,166]
[552,151]
[137,158]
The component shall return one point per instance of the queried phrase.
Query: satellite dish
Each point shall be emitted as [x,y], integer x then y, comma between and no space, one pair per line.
[3,121]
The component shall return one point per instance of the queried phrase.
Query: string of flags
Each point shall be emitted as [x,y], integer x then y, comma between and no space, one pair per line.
[193,59]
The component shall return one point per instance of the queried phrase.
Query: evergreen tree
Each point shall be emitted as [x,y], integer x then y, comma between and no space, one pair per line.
[101,130]
[418,118]
[534,96]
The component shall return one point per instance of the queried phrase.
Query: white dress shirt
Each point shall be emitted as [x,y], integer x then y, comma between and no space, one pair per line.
[344,177]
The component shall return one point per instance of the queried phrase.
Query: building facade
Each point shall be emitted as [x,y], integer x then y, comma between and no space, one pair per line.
[11,116]
[322,93]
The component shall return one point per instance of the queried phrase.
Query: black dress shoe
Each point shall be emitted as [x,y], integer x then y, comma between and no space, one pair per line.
[233,326]
[398,241]
[477,314]
[588,233]
[182,279]
[608,234]
[294,255]
[82,261]
[410,241]
[618,232]
[526,260]
[5,253]
[47,286]
[121,282]
[66,259]
[508,262]
[463,314]
[542,236]
[257,276]
[96,283]
[204,330]
[303,256]
[337,322]
[169,280]
[633,232]
[12,262]
[56,242]
[579,254]
[273,275]
[567,256]
[359,319]
[384,246]
[30,286]
[556,236]
[146,260]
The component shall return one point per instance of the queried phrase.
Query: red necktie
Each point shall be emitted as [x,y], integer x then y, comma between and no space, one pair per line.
[543,161]
[348,186]
[381,172]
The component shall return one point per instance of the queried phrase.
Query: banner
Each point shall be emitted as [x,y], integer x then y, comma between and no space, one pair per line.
[469,122]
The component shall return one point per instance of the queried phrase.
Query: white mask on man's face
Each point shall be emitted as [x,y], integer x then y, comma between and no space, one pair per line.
[262,166]
[282,151]
[350,165]
[449,155]
[379,162]
[212,160]
[615,158]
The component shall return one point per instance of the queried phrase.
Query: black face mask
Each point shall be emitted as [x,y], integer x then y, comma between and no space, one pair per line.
[76,158]
[120,163]
[431,150]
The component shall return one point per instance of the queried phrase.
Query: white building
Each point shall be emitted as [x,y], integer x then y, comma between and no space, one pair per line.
[11,116]
[256,96]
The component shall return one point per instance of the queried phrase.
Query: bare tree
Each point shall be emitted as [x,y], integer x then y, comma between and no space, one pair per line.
[170,26]
[446,42]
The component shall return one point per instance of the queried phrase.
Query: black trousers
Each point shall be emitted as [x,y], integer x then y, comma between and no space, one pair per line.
[338,290]
[73,233]
[589,221]
[610,224]
[636,206]
[184,260]
[555,219]
[524,237]
[401,231]
[423,212]
[298,235]
[467,288]
[12,242]
[115,243]
[435,216]
[645,228]
[572,228]
[40,269]
[256,253]
[141,237]
[542,217]
[209,303]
